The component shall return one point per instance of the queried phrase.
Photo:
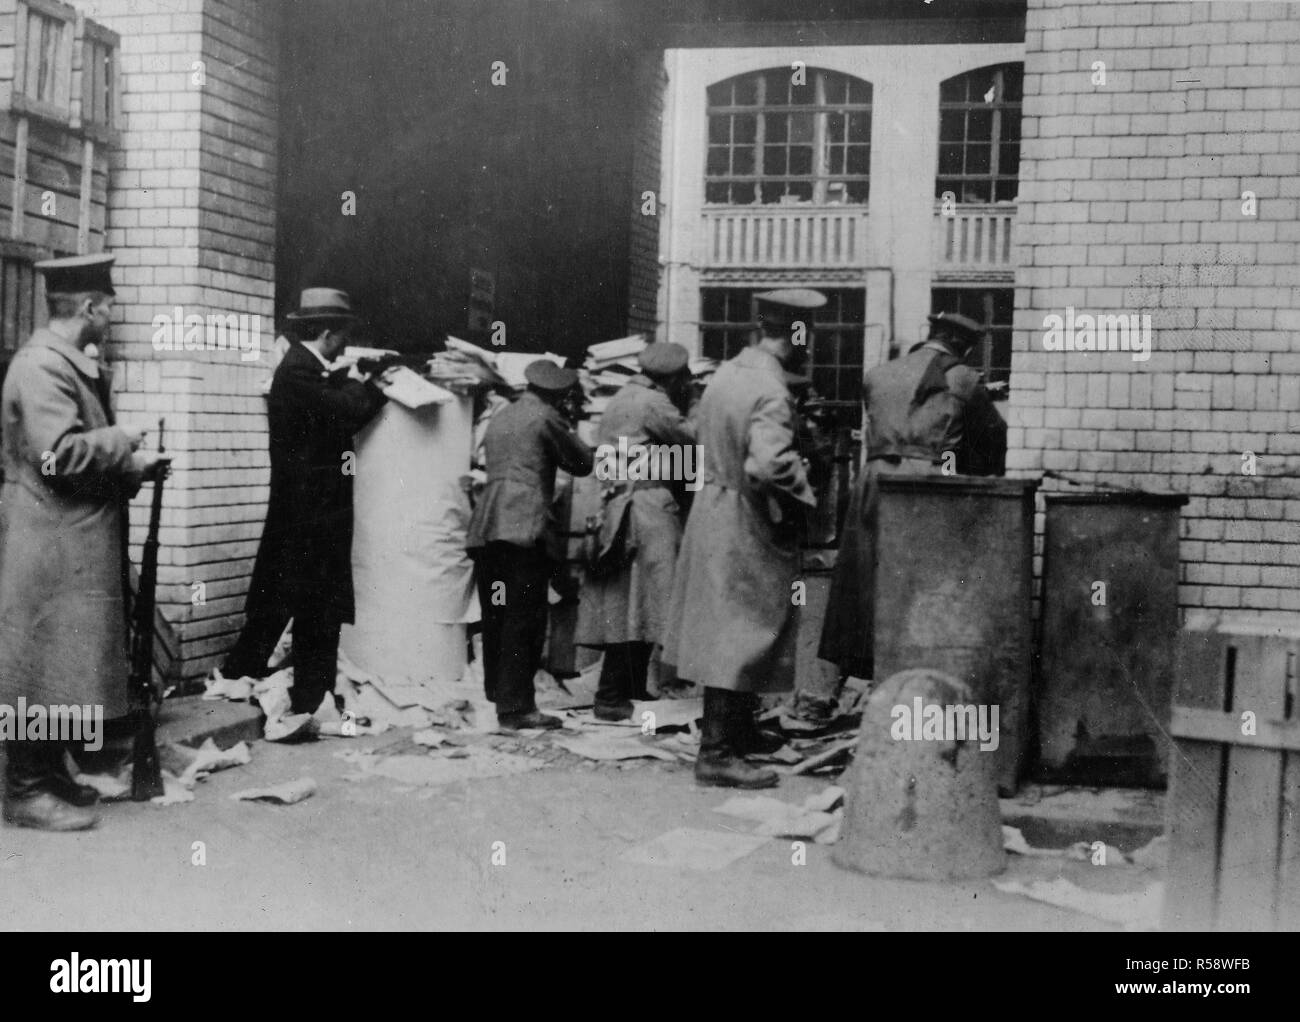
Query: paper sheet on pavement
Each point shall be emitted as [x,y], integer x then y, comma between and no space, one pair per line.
[690,848]
[1137,911]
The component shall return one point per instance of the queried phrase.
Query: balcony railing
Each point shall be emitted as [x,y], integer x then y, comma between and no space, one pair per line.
[974,238]
[784,236]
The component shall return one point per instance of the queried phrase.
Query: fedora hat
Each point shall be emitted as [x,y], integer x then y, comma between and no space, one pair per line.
[322,303]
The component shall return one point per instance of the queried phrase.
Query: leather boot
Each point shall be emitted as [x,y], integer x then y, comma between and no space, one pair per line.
[28,800]
[748,738]
[613,691]
[718,764]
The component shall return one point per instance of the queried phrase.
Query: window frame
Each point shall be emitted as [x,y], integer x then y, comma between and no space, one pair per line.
[821,176]
[92,35]
[59,109]
[998,107]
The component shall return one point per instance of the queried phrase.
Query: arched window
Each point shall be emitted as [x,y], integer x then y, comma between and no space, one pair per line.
[979,134]
[785,136]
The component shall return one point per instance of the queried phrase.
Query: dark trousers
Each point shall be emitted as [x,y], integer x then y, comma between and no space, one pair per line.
[315,661]
[512,584]
[256,642]
[623,675]
[30,766]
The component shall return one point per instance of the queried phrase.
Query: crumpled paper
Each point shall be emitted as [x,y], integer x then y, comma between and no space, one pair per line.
[1137,911]
[618,745]
[782,819]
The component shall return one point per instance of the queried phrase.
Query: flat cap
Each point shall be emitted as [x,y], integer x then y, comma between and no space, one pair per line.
[78,274]
[663,358]
[964,326]
[546,375]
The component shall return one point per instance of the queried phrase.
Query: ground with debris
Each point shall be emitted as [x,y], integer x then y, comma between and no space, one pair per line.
[559,841]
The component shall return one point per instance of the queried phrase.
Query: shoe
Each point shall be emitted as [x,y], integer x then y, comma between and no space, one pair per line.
[531,719]
[70,791]
[46,811]
[613,713]
[722,770]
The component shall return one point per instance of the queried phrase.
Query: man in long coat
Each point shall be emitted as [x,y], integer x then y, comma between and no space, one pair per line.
[733,619]
[304,563]
[623,612]
[68,473]
[516,541]
[927,413]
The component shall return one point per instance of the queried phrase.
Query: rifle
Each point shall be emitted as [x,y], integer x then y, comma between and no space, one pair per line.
[146,774]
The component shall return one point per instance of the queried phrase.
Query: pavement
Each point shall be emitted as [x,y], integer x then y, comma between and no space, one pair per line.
[547,849]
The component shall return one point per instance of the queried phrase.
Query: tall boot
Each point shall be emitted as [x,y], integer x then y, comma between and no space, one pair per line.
[719,764]
[749,739]
[614,690]
[30,771]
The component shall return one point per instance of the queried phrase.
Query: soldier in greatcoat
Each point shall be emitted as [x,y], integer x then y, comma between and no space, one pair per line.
[69,471]
[623,611]
[926,413]
[733,618]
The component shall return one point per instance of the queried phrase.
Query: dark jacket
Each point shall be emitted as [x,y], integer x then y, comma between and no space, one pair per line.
[304,565]
[523,447]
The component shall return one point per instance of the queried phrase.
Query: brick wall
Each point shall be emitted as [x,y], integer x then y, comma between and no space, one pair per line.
[1131,202]
[643,272]
[192,221]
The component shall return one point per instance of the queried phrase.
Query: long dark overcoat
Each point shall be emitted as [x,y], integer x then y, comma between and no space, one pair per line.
[304,563]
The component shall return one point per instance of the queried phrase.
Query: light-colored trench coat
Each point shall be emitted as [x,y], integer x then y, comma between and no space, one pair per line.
[733,621]
[631,605]
[63,626]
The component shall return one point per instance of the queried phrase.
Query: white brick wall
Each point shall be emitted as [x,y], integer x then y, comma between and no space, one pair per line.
[1131,202]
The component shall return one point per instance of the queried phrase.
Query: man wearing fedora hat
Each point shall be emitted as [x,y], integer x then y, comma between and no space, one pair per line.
[304,563]
[515,540]
[926,413]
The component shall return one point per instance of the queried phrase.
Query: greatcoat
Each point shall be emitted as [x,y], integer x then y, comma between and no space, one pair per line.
[919,408]
[733,617]
[68,473]
[304,562]
[631,604]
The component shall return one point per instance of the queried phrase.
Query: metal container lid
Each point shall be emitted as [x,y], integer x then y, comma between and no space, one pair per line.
[1125,498]
[994,486]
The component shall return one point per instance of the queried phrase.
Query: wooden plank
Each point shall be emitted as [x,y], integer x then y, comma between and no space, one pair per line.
[1225,728]
[1248,850]
[20,181]
[1192,809]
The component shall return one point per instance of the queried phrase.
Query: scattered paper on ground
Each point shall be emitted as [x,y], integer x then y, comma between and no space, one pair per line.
[460,765]
[1081,851]
[668,712]
[285,794]
[1137,911]
[827,800]
[207,759]
[621,745]
[110,788]
[688,848]
[1014,841]
[175,791]
[781,819]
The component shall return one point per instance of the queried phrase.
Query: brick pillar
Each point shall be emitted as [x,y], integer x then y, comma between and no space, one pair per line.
[192,222]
